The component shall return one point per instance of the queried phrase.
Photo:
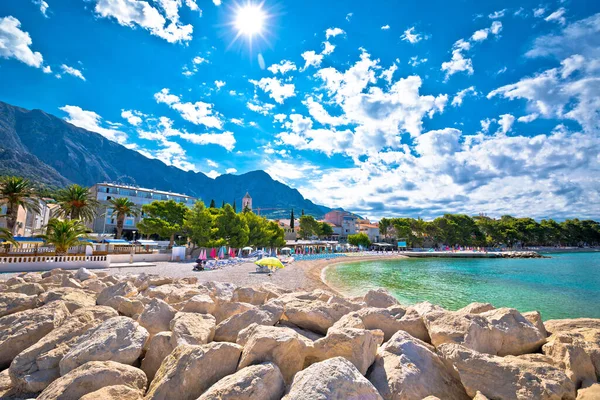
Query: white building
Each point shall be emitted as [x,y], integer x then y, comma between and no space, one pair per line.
[105,223]
[30,223]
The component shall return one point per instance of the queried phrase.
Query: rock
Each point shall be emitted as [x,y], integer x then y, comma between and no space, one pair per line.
[333,379]
[307,336]
[507,377]
[273,291]
[94,285]
[192,328]
[93,376]
[56,272]
[107,296]
[477,308]
[173,293]
[405,368]
[424,308]
[314,315]
[589,393]
[571,352]
[36,367]
[144,281]
[157,316]
[189,370]
[220,291]
[359,346]
[159,347]
[380,298]
[15,281]
[564,325]
[117,392]
[269,314]
[201,303]
[281,346]
[30,289]
[84,274]
[72,297]
[118,339]
[109,279]
[501,331]
[67,281]
[11,303]
[20,330]
[263,381]
[229,309]
[536,319]
[249,295]
[131,308]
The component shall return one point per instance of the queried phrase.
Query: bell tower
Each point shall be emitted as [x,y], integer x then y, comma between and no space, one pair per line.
[247,202]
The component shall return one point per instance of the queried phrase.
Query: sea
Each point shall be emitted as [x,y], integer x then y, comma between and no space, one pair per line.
[567,285]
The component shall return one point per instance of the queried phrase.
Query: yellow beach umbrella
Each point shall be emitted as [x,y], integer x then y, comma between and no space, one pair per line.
[271,262]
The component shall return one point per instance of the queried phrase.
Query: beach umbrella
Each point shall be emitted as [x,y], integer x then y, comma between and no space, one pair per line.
[271,262]
[213,253]
[240,253]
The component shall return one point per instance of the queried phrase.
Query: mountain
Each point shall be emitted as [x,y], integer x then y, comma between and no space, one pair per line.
[49,150]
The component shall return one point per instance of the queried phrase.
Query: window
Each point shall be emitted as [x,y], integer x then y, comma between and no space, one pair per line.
[129,222]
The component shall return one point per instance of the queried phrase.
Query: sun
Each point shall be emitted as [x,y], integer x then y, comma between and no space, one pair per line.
[250,19]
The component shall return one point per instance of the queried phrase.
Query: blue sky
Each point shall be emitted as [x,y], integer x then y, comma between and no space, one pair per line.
[380,107]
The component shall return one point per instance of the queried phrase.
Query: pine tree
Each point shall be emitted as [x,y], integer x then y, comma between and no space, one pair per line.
[234,207]
[292,220]
[302,212]
[212,204]
[223,205]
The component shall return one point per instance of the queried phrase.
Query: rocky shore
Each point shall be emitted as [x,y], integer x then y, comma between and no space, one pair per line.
[84,335]
[521,254]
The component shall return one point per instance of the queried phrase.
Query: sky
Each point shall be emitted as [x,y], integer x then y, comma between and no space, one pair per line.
[384,108]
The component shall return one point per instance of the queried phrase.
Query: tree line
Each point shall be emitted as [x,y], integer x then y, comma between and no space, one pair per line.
[463,230]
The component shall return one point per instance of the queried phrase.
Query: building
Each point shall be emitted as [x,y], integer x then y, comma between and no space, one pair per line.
[105,223]
[289,233]
[247,202]
[343,222]
[30,223]
[370,229]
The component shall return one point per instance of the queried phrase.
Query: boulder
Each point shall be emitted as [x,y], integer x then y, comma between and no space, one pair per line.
[282,346]
[56,272]
[36,367]
[273,291]
[93,376]
[314,315]
[84,274]
[107,296]
[118,339]
[501,331]
[333,379]
[144,281]
[536,319]
[269,314]
[192,328]
[249,295]
[476,308]
[263,381]
[157,316]
[359,346]
[226,310]
[72,297]
[578,353]
[20,330]
[201,303]
[30,289]
[589,393]
[507,377]
[67,281]
[379,298]
[14,281]
[11,303]
[131,308]
[94,285]
[307,336]
[564,325]
[219,291]
[117,392]
[405,368]
[173,293]
[189,370]
[159,347]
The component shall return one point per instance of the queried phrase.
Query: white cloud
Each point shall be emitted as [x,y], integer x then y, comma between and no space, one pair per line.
[220,84]
[231,171]
[497,14]
[385,27]
[91,121]
[482,34]
[538,12]
[43,6]
[333,32]
[212,163]
[328,48]
[528,118]
[198,113]
[217,2]
[132,116]
[460,95]
[415,60]
[411,36]
[47,69]
[199,60]
[137,12]
[349,16]
[557,16]
[501,70]
[275,89]
[282,68]
[213,174]
[15,43]
[261,108]
[458,62]
[388,74]
[311,58]
[72,71]
[506,121]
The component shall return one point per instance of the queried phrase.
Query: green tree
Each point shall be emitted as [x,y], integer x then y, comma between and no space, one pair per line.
[276,235]
[163,218]
[257,229]
[122,208]
[325,230]
[6,237]
[292,220]
[198,226]
[232,227]
[64,234]
[76,202]
[223,204]
[17,192]
[308,226]
[359,239]
[212,204]
[384,226]
[234,207]
[302,212]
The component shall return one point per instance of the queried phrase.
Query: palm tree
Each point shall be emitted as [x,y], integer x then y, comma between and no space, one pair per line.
[76,202]
[17,192]
[122,208]
[65,234]
[6,237]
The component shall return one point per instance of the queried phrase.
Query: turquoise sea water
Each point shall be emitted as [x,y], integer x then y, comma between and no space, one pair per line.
[564,286]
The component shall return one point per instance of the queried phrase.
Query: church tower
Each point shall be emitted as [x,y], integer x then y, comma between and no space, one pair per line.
[247,202]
